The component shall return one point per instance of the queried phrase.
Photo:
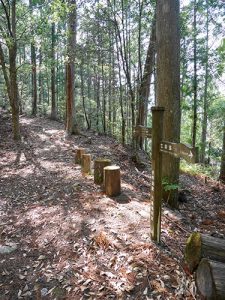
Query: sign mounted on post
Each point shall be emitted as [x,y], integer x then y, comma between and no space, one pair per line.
[160,146]
[141,131]
[179,150]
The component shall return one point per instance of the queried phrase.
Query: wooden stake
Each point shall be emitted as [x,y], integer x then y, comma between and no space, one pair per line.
[78,155]
[156,188]
[112,183]
[86,163]
[99,165]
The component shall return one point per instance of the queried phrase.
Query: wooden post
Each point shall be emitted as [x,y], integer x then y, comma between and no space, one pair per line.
[86,163]
[112,184]
[78,155]
[99,165]
[156,187]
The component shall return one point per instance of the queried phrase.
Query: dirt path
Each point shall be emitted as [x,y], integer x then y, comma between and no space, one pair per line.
[70,241]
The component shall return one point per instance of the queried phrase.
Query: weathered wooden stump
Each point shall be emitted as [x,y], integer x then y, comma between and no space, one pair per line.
[86,163]
[210,279]
[199,246]
[112,185]
[78,155]
[99,165]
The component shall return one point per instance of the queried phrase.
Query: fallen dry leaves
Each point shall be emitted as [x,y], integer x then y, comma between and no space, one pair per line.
[73,242]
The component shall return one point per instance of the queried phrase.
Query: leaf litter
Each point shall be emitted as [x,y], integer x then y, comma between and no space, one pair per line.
[72,241]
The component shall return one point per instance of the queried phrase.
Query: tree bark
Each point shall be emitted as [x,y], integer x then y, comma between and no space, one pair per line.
[168,84]
[71,124]
[205,105]
[53,92]
[83,95]
[40,83]
[144,89]
[199,246]
[222,167]
[33,69]
[34,79]
[11,78]
[210,279]
[194,129]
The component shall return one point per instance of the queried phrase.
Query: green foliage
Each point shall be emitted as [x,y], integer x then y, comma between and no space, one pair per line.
[211,171]
[169,186]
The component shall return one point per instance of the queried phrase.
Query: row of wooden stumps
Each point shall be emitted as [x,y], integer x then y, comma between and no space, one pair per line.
[105,174]
[205,255]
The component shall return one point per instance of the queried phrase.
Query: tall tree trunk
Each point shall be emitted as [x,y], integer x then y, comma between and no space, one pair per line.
[53,93]
[40,84]
[123,46]
[194,129]
[144,89]
[11,78]
[33,70]
[168,84]
[123,127]
[205,106]
[34,79]
[222,167]
[83,95]
[103,99]
[71,124]
[14,92]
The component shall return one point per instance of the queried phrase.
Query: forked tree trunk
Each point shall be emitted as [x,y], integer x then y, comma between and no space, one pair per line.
[168,85]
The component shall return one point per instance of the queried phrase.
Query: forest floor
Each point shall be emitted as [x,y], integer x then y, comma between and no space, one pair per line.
[67,240]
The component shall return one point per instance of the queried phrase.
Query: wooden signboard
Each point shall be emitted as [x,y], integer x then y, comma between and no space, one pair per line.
[179,150]
[141,131]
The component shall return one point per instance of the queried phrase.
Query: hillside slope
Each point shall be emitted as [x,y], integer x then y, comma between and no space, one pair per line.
[67,240]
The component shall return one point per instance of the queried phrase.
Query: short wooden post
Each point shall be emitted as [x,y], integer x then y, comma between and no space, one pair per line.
[112,183]
[99,165]
[156,187]
[86,163]
[78,155]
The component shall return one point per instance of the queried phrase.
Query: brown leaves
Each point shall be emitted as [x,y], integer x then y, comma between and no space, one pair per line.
[101,240]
